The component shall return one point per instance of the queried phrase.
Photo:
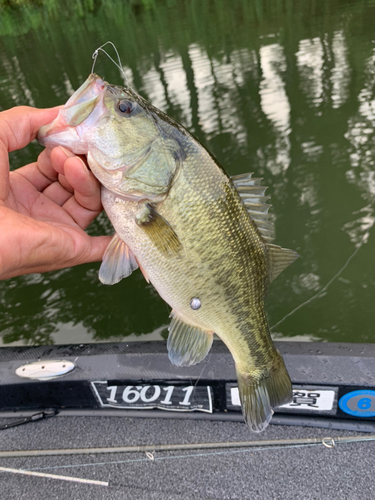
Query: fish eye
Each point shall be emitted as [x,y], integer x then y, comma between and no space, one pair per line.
[126,107]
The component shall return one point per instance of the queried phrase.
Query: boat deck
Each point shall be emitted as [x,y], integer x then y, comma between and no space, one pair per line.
[313,472]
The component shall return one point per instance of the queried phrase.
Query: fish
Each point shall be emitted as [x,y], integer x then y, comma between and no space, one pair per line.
[202,238]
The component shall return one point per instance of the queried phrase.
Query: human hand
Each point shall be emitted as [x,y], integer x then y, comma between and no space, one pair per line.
[46,205]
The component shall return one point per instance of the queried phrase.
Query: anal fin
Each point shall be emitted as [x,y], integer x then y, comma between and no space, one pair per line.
[187,345]
[118,262]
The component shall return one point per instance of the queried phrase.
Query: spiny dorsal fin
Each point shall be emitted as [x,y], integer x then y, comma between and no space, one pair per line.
[187,345]
[118,262]
[252,196]
[158,230]
[279,259]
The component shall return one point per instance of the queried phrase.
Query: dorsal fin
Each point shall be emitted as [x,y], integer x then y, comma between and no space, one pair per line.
[252,196]
[279,259]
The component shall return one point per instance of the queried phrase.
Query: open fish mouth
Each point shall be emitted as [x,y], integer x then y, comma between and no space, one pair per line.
[67,128]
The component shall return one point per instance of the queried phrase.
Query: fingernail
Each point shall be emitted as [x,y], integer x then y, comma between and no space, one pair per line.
[66,152]
[84,167]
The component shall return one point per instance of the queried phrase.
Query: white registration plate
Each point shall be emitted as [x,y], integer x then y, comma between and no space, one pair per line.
[154,396]
[305,400]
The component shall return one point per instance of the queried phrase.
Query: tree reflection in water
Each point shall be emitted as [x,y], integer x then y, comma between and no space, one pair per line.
[279,88]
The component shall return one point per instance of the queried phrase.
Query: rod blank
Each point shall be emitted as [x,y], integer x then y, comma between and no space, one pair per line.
[189,446]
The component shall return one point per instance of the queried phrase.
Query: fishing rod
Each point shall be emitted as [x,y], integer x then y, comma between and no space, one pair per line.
[328,442]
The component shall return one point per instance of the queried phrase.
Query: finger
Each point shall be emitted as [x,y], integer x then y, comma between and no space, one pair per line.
[57,193]
[41,173]
[4,172]
[59,156]
[81,215]
[65,184]
[65,246]
[45,166]
[86,186]
[93,249]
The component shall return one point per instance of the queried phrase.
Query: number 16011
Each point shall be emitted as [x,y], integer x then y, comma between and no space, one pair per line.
[148,394]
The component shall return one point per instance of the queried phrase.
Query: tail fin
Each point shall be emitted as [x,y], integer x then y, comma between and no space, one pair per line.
[259,394]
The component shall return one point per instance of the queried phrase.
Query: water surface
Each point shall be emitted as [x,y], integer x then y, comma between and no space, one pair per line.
[282,89]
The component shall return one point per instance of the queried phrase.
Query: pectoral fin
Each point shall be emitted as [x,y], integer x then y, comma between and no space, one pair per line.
[118,262]
[158,230]
[187,345]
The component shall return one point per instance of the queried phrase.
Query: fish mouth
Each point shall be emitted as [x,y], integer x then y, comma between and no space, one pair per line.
[67,127]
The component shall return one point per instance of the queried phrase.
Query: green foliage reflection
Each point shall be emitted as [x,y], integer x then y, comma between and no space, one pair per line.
[282,88]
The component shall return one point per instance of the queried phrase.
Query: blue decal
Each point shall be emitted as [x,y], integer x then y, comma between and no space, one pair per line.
[359,403]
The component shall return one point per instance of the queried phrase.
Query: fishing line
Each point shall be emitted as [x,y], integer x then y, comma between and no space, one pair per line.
[324,289]
[175,457]
[320,291]
[327,442]
[206,363]
[119,64]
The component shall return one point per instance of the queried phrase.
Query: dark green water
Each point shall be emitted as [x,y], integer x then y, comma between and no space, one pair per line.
[283,89]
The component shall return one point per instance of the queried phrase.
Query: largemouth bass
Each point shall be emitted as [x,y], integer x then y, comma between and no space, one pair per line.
[202,238]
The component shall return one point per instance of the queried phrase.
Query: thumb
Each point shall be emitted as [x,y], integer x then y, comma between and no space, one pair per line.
[19,126]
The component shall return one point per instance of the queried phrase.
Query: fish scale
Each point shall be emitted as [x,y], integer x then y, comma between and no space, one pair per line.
[203,243]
